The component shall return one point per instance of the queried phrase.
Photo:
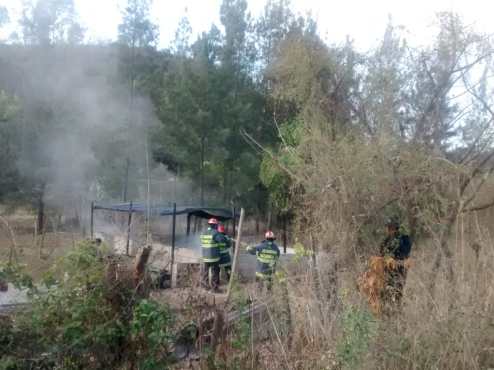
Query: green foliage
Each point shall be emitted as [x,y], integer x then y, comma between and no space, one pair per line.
[46,22]
[359,328]
[9,150]
[80,320]
[241,333]
[150,331]
[8,363]
[4,15]
[274,167]
[9,106]
[301,251]
[136,29]
[15,274]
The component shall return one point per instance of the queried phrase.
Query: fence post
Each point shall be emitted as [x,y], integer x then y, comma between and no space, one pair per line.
[129,222]
[91,226]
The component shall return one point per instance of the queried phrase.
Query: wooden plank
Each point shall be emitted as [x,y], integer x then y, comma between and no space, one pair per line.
[235,256]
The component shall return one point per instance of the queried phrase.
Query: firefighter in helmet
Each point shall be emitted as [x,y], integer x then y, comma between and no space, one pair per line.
[211,256]
[225,245]
[267,254]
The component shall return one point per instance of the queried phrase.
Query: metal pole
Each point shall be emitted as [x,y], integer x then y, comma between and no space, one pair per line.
[92,221]
[173,231]
[129,222]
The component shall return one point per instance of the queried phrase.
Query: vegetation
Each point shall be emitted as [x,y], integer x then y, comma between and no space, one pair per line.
[84,319]
[262,113]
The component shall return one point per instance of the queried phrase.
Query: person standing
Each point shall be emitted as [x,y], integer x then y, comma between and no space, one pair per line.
[395,248]
[225,245]
[210,256]
[268,254]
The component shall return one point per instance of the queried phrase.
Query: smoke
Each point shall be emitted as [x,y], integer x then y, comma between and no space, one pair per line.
[79,125]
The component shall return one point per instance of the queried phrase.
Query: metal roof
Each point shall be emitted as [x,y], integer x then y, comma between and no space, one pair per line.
[165,210]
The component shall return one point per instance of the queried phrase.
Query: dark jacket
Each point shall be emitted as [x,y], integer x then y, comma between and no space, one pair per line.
[224,244]
[267,254]
[397,246]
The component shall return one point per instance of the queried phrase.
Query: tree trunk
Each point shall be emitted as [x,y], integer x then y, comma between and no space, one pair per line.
[315,277]
[140,282]
[446,252]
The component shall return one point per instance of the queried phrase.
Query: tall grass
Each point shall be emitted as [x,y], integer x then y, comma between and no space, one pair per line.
[451,327]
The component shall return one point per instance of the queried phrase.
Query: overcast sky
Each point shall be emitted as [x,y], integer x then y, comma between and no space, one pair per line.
[363,20]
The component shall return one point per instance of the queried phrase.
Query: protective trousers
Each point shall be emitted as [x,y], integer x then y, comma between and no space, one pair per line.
[215,275]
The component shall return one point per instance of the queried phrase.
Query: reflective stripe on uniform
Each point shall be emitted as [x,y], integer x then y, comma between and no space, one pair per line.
[262,275]
[209,247]
[204,259]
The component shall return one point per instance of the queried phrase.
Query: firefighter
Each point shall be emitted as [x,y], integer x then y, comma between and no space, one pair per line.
[395,249]
[225,245]
[267,254]
[211,256]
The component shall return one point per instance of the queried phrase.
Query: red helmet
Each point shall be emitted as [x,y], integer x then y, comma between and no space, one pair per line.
[213,221]
[221,228]
[269,235]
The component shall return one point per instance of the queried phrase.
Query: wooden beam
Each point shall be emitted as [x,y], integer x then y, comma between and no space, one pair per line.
[235,256]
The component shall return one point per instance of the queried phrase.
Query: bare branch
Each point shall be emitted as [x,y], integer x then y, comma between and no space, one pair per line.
[480,207]
[264,150]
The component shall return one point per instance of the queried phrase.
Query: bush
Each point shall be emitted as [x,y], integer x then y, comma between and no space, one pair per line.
[359,328]
[83,321]
[150,334]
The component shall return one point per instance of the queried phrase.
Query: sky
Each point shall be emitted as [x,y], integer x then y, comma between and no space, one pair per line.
[363,21]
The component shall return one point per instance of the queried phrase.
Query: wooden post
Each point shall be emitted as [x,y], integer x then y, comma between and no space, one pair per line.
[92,221]
[234,221]
[129,222]
[140,270]
[235,256]
[284,234]
[174,221]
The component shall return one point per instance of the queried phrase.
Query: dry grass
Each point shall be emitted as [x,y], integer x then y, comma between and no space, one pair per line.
[36,252]
[449,328]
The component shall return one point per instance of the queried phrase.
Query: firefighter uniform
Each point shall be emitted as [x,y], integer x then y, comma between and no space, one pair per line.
[210,258]
[224,245]
[267,254]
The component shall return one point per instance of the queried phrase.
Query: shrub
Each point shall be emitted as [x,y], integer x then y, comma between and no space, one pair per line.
[83,321]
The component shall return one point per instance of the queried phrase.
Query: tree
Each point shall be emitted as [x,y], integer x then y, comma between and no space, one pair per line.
[9,174]
[136,29]
[47,22]
[188,108]
[136,35]
[272,28]
[4,16]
